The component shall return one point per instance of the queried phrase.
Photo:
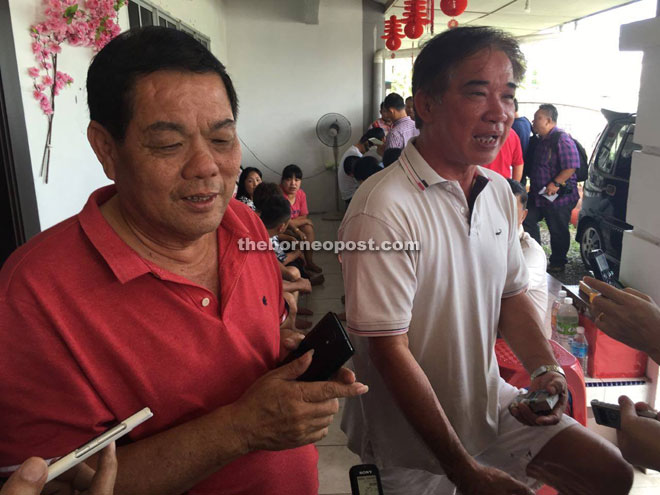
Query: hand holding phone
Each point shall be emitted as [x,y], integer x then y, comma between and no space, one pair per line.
[610,414]
[80,454]
[332,348]
[602,270]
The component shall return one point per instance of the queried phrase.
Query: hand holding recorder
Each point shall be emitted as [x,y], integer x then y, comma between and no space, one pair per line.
[549,392]
[31,477]
[639,436]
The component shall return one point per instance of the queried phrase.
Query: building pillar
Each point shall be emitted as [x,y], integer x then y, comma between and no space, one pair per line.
[640,257]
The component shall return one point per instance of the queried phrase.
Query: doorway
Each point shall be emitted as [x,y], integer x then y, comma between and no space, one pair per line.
[19,218]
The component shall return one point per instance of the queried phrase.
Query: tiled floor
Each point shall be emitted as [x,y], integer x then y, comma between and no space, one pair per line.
[334,457]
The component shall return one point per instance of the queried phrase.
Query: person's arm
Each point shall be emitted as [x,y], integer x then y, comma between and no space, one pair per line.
[302,284]
[517,172]
[414,394]
[627,315]
[275,413]
[517,162]
[520,326]
[286,274]
[292,256]
[638,438]
[569,160]
[298,222]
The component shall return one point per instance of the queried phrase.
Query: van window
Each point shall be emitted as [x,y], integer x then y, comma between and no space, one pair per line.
[612,141]
[625,158]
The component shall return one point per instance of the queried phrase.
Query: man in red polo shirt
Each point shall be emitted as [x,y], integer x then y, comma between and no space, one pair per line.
[145,299]
[509,161]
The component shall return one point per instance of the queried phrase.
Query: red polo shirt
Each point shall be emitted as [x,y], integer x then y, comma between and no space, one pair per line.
[91,333]
[510,155]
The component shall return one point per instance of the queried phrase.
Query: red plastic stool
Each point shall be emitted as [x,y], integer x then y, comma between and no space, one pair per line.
[513,372]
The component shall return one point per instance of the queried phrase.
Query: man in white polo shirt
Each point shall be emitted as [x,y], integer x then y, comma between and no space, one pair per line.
[438,417]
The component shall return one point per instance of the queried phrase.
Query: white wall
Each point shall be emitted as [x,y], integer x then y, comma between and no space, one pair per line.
[287,75]
[641,246]
[75,172]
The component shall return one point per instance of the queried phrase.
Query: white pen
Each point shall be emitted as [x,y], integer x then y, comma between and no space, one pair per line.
[80,454]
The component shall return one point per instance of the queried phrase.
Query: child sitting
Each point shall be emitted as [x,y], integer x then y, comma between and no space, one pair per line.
[275,215]
[248,181]
[301,225]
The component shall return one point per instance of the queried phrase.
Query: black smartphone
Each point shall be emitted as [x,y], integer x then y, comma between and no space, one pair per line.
[610,414]
[601,268]
[332,348]
[365,480]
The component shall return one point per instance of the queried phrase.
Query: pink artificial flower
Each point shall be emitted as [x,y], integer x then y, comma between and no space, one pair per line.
[38,95]
[33,71]
[47,80]
[36,47]
[46,107]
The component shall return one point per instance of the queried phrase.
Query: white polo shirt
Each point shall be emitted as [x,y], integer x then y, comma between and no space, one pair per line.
[347,184]
[536,264]
[447,296]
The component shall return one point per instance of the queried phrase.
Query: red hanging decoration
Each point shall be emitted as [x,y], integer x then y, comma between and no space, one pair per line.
[393,33]
[452,24]
[415,18]
[452,8]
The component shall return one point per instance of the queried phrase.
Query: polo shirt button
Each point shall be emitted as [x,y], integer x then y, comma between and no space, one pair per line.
[206,301]
[462,209]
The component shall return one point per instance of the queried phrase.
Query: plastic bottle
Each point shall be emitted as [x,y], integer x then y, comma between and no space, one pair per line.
[553,312]
[580,348]
[567,323]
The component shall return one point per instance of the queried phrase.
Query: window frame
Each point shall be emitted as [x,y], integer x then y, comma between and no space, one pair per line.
[157,14]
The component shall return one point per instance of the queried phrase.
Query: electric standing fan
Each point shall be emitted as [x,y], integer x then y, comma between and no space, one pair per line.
[334,130]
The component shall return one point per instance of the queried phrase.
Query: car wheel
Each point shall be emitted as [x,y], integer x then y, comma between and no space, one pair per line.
[590,239]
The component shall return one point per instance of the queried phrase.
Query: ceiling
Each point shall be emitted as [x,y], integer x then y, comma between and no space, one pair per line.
[510,15]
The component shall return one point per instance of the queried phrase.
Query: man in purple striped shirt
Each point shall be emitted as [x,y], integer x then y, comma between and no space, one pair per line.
[553,168]
[403,127]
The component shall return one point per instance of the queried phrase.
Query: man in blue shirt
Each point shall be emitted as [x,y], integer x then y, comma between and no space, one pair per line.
[523,128]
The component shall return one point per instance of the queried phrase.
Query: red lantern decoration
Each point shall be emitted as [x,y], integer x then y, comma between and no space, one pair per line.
[452,8]
[393,33]
[452,24]
[415,18]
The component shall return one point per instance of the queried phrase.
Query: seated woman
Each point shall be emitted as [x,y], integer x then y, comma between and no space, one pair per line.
[300,224]
[248,181]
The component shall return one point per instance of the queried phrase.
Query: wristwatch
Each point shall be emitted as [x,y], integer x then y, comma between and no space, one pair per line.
[557,183]
[544,369]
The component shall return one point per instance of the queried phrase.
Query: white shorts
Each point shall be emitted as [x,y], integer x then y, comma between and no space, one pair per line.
[516,445]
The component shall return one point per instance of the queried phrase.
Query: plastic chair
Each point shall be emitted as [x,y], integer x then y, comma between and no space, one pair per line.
[513,372]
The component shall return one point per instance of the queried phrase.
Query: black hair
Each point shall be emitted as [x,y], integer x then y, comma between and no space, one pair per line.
[391,155]
[292,171]
[263,192]
[275,211]
[365,167]
[349,164]
[394,100]
[374,132]
[550,111]
[519,191]
[410,98]
[444,52]
[241,191]
[138,52]
[515,104]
